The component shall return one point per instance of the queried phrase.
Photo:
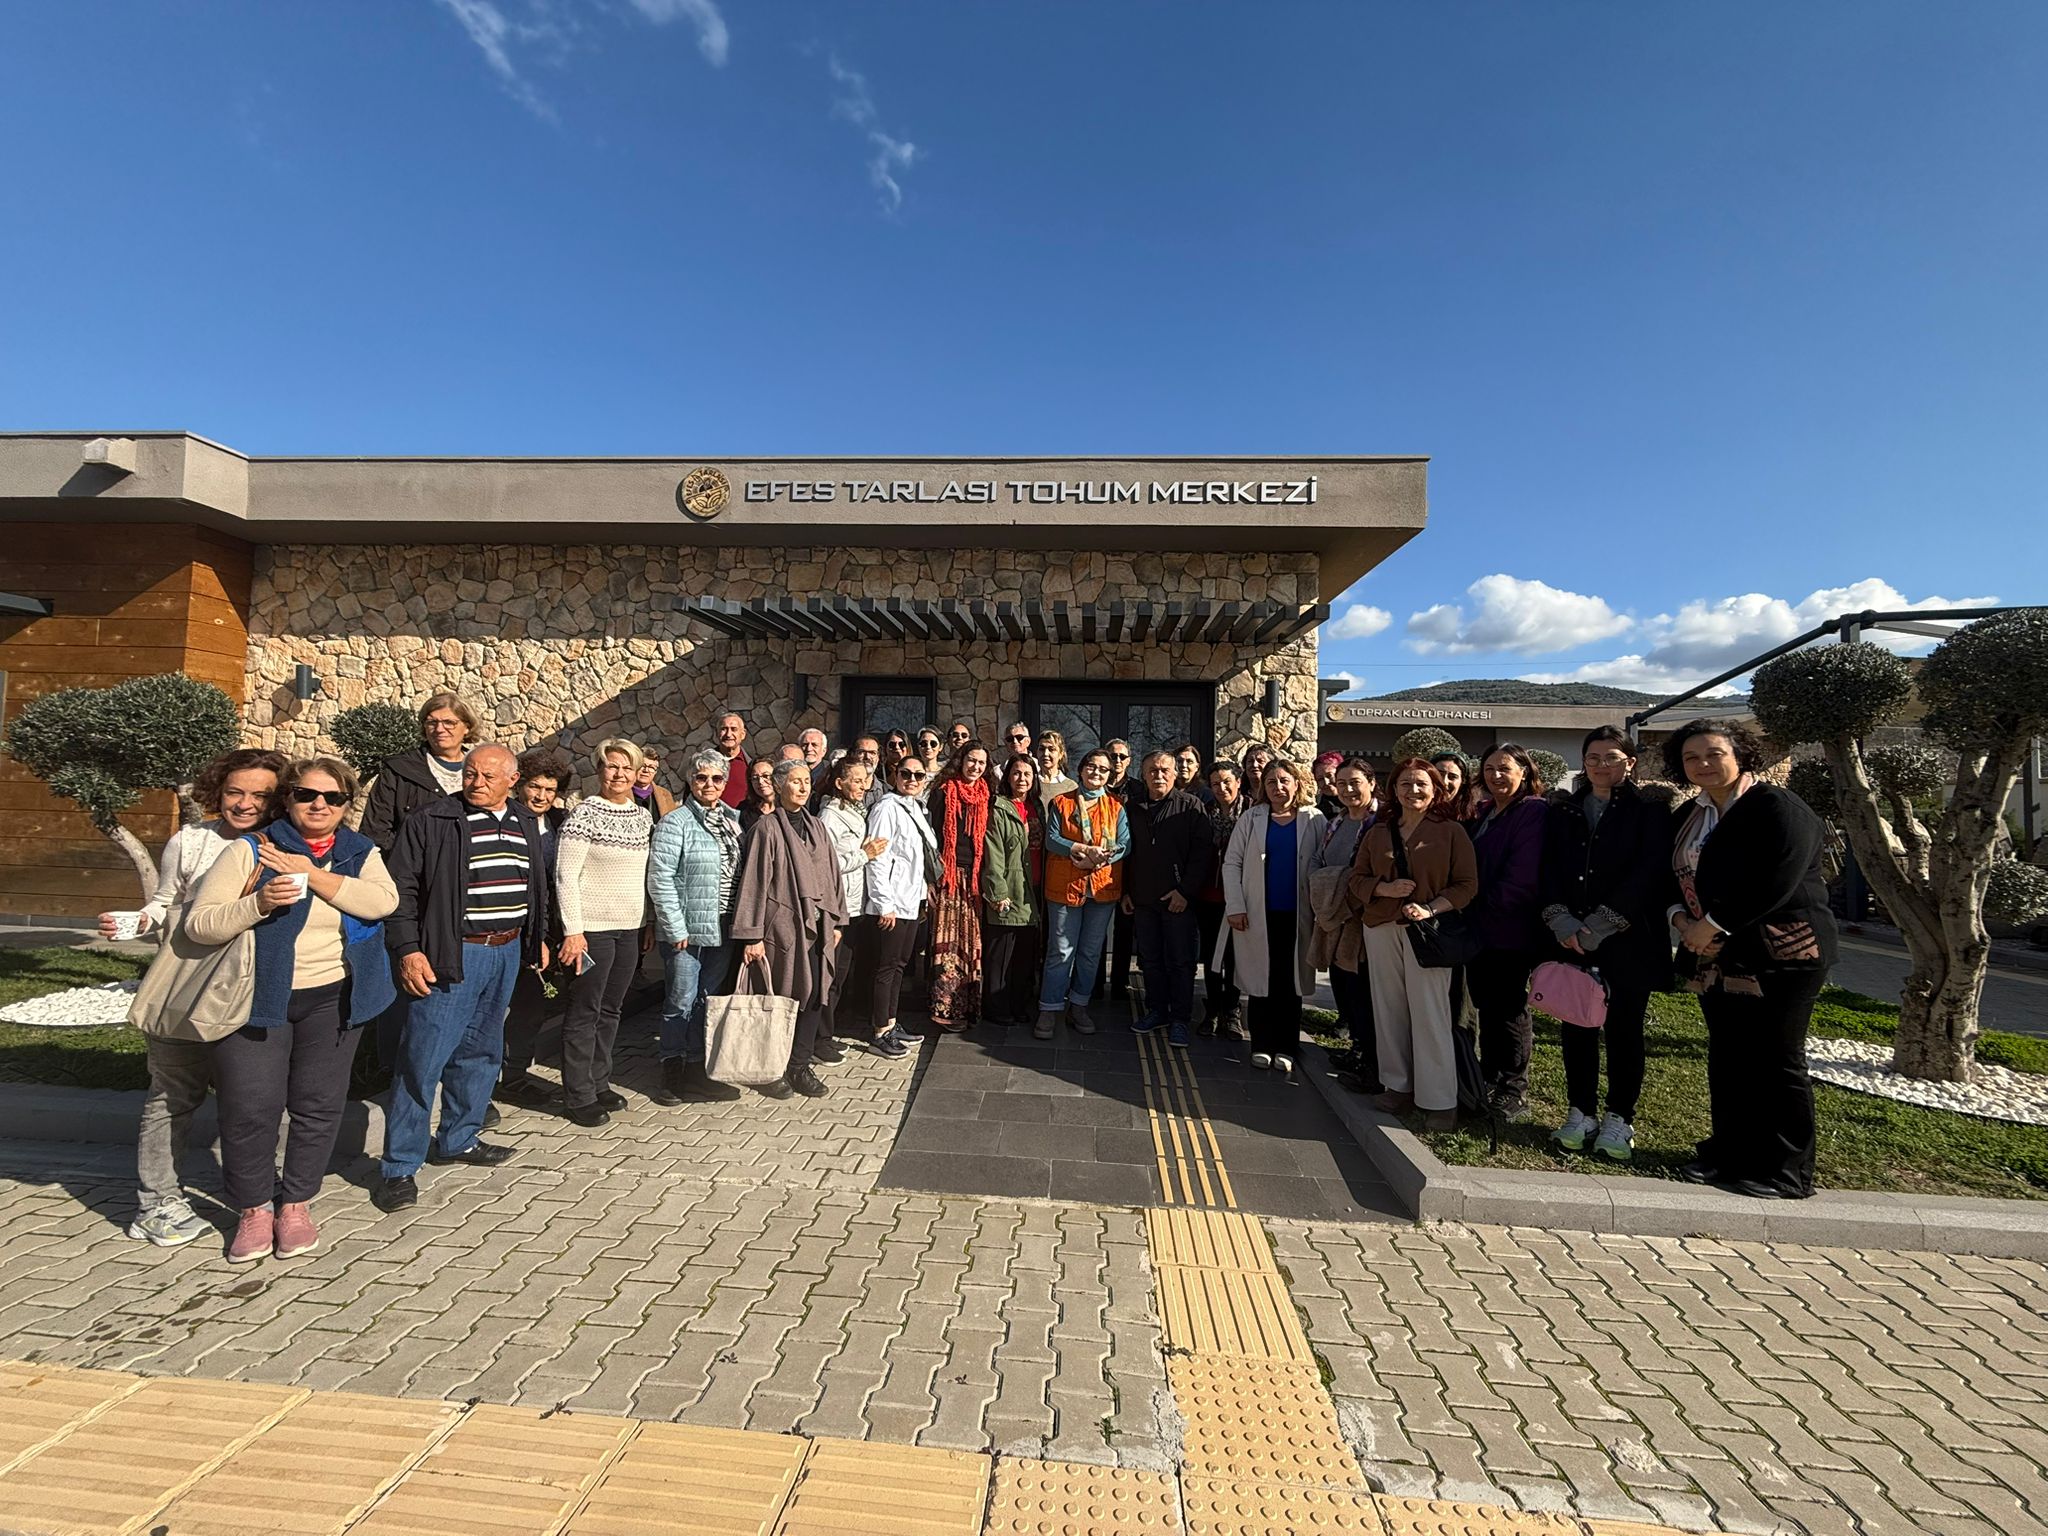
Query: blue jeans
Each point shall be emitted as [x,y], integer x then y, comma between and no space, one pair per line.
[1166,958]
[692,974]
[1074,937]
[454,1039]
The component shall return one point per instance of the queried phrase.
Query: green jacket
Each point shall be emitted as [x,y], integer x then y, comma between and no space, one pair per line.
[1006,867]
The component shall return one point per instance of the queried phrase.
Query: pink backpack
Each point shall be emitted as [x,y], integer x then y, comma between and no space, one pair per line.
[1570,993]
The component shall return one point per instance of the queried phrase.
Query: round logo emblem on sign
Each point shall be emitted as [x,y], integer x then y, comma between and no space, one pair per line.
[703,492]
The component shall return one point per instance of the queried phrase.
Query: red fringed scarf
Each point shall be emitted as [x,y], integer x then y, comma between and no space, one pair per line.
[972,799]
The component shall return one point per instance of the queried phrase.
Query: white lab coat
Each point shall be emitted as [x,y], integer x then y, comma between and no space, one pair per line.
[1244,890]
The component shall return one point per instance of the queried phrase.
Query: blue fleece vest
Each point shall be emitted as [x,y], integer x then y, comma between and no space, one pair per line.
[370,987]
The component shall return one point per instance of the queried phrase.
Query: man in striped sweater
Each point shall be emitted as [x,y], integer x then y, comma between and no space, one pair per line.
[472,910]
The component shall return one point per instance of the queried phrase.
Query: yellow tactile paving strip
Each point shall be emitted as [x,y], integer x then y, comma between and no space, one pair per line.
[1184,1144]
[856,1488]
[40,1402]
[664,1485]
[1229,1312]
[138,1456]
[1207,1239]
[1218,1506]
[1259,1421]
[322,1465]
[1063,1498]
[110,1470]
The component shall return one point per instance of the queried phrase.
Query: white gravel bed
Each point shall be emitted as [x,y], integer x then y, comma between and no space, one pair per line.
[76,1008]
[1865,1067]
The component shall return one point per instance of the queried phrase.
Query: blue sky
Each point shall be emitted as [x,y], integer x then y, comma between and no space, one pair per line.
[1713,318]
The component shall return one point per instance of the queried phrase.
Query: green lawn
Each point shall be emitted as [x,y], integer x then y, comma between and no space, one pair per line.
[1865,1142]
[77,1058]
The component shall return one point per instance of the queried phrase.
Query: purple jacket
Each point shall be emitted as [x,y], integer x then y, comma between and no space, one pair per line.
[1507,913]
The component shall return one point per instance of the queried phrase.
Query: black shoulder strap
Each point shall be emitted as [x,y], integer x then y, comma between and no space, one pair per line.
[1400,850]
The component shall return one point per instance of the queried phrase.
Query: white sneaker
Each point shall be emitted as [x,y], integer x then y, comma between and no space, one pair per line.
[1261,1060]
[1578,1125]
[1284,1065]
[170,1224]
[1617,1139]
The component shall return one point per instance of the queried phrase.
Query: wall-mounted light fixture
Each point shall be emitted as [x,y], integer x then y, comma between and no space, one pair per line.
[304,684]
[1271,708]
[800,692]
[114,453]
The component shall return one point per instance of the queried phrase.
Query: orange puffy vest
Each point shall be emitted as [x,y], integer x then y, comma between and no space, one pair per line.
[1079,822]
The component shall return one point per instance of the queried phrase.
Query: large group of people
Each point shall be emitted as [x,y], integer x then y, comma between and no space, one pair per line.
[481,922]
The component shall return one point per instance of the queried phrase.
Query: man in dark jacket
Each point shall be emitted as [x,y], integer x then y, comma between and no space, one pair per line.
[431,771]
[1172,858]
[472,911]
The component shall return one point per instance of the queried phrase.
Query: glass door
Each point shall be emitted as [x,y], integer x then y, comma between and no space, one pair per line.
[875,706]
[1152,717]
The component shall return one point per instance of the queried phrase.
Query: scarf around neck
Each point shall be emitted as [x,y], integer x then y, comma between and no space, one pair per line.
[968,802]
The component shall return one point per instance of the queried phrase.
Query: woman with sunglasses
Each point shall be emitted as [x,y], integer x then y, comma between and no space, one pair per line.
[894,895]
[931,751]
[316,893]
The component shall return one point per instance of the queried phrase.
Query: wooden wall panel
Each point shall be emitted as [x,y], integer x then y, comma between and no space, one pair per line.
[132,599]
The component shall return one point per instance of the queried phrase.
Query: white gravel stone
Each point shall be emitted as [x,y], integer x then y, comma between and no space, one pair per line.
[1865,1067]
[77,1008]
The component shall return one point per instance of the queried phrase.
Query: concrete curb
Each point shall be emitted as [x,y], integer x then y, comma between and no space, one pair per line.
[1437,1191]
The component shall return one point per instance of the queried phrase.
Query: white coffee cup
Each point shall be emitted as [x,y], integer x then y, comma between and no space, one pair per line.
[294,884]
[126,924]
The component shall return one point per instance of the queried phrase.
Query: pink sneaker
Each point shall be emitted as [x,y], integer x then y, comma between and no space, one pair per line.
[296,1233]
[253,1237]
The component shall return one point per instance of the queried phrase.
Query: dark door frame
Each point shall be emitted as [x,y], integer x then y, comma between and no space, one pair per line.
[853,689]
[1116,696]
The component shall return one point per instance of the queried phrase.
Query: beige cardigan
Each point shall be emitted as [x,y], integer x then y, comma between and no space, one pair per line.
[220,911]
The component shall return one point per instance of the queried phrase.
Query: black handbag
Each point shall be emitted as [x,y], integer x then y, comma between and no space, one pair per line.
[1445,940]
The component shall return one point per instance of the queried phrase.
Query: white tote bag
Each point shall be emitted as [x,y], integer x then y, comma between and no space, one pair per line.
[747,1036]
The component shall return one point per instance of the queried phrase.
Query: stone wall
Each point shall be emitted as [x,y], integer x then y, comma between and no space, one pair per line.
[570,645]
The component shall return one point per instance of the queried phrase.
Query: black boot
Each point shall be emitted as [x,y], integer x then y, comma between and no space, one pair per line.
[669,1092]
[698,1084]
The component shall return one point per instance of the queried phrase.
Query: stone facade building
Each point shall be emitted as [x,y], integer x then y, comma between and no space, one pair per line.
[576,599]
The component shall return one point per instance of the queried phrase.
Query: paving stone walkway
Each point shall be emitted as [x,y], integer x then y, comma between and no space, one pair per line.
[1684,1380]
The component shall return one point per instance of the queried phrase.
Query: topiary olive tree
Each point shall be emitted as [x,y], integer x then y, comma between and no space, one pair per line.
[1550,766]
[1986,693]
[367,734]
[1426,742]
[102,747]
[1814,782]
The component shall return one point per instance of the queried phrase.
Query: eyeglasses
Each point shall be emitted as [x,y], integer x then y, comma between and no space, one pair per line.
[334,797]
[1605,760]
[912,774]
[1120,757]
[1020,735]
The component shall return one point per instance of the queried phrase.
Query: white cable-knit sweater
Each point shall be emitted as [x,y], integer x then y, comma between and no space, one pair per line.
[601,867]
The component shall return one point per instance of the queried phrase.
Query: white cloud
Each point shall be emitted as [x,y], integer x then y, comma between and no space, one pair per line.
[1513,614]
[1707,637]
[713,40]
[504,38]
[1360,621]
[887,154]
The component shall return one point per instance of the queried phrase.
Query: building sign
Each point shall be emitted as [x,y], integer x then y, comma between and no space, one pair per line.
[1372,712]
[1043,493]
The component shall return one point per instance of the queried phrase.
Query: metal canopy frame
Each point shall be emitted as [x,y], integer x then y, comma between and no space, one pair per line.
[14,606]
[1848,629]
[947,619]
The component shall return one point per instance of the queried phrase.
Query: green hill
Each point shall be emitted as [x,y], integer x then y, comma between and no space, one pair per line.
[1512,690]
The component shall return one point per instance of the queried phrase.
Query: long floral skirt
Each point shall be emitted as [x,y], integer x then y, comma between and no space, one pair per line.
[956,960]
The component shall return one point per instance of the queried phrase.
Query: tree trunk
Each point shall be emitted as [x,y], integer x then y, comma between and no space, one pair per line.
[1937,1038]
[1926,1045]
[130,844]
[189,812]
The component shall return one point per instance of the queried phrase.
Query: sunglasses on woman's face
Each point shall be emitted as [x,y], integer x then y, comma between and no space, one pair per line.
[912,775]
[333,797]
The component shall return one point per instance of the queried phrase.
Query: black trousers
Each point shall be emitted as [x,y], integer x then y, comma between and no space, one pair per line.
[892,949]
[1626,1010]
[533,1025]
[261,1075]
[1166,959]
[1122,946]
[1762,1097]
[1499,980]
[1274,1021]
[1220,995]
[1010,965]
[1353,992]
[591,1025]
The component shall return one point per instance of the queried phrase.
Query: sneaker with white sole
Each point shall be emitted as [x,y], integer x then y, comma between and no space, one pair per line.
[1617,1139]
[1261,1060]
[1284,1065]
[170,1224]
[1578,1125]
